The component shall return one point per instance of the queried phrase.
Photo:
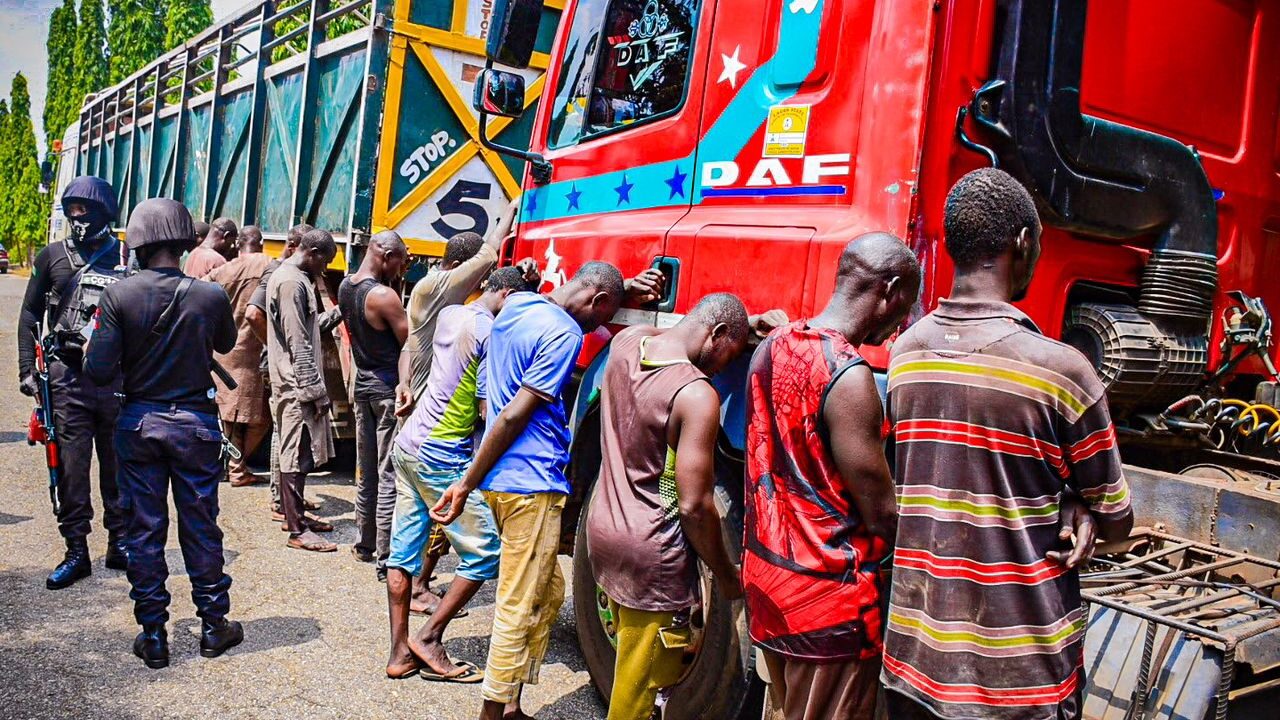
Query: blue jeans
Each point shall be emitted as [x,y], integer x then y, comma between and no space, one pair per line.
[474,535]
[158,446]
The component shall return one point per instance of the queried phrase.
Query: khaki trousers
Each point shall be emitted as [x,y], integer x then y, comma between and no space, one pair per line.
[530,590]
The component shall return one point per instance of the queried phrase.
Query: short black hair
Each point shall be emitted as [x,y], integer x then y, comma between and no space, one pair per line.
[718,308]
[985,212]
[252,234]
[389,240]
[507,278]
[462,247]
[202,229]
[296,232]
[318,239]
[601,277]
[226,226]
[875,257]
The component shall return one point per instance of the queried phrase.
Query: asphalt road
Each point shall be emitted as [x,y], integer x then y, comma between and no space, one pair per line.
[315,625]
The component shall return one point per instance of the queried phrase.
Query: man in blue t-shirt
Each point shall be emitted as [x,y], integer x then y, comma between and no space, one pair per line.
[520,464]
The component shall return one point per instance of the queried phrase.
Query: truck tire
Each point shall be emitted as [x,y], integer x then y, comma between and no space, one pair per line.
[718,686]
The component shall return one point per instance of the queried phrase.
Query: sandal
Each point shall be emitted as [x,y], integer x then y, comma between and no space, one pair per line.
[467,674]
[314,543]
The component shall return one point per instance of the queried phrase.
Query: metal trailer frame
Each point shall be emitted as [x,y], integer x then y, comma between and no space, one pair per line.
[197,123]
[1169,581]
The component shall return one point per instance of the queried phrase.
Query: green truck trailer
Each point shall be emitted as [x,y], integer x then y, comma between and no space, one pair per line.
[354,117]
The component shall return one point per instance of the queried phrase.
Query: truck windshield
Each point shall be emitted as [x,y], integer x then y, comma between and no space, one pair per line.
[626,62]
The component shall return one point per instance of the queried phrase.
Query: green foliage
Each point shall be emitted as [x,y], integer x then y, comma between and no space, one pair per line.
[24,228]
[6,180]
[184,19]
[136,35]
[90,53]
[60,103]
[336,28]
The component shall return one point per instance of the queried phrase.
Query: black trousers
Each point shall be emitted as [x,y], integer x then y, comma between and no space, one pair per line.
[293,488]
[84,415]
[160,447]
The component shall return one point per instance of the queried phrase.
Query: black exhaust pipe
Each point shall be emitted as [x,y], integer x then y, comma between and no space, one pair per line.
[1103,178]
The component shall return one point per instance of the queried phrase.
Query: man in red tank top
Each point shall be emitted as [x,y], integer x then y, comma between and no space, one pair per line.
[820,507]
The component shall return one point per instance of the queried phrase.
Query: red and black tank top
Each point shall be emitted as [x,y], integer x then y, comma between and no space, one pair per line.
[810,568]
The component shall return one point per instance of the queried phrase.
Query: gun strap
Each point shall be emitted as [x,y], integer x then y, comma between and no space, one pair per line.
[165,320]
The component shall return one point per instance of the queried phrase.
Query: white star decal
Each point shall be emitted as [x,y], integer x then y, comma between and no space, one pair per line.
[732,66]
[805,6]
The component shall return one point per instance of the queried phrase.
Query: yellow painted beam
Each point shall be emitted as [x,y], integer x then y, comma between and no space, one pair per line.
[459,42]
[390,127]
[459,25]
[425,248]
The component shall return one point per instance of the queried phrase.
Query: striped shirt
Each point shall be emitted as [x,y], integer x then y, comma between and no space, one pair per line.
[992,422]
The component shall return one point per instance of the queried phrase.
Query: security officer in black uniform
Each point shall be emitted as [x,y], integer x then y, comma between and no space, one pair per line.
[66,282]
[161,329]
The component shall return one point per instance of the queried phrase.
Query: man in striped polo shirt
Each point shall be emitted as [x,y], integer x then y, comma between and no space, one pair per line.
[1005,451]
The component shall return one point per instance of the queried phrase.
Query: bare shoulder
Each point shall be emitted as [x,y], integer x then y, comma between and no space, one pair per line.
[696,400]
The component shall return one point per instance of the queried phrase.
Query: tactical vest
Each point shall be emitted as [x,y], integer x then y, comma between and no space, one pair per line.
[72,307]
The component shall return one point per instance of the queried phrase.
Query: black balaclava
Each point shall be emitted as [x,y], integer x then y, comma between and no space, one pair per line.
[91,227]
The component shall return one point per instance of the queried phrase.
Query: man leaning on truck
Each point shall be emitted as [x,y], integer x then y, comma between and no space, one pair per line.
[820,512]
[521,462]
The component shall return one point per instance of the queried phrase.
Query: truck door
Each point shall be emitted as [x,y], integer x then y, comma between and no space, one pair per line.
[620,131]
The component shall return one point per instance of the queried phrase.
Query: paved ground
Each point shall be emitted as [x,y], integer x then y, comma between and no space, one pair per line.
[315,626]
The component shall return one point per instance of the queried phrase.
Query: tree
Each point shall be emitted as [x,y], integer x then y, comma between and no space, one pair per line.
[90,55]
[60,102]
[183,19]
[136,35]
[26,206]
[6,175]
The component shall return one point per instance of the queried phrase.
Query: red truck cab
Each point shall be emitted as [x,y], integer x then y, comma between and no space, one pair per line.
[738,146]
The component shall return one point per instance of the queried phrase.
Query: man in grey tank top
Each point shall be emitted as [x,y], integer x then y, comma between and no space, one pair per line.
[378,327]
[653,513]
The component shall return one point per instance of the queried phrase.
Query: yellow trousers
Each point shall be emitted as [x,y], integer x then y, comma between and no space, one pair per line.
[530,590]
[650,657]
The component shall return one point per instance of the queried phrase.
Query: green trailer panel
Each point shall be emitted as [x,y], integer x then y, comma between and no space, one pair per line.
[352,116]
[275,194]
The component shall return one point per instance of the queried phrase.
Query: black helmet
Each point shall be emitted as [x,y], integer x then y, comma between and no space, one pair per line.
[160,220]
[88,188]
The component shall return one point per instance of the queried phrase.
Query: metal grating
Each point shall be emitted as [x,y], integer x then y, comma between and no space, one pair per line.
[1181,588]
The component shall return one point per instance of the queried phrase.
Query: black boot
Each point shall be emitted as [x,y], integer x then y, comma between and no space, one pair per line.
[152,645]
[74,566]
[217,637]
[117,557]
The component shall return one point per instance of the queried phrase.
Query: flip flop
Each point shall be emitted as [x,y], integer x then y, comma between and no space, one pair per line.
[461,613]
[408,674]
[470,674]
[323,546]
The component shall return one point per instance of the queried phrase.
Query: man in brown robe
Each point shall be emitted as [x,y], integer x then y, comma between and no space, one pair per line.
[244,413]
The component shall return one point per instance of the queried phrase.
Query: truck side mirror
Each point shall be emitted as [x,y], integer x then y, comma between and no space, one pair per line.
[499,93]
[513,30]
[46,173]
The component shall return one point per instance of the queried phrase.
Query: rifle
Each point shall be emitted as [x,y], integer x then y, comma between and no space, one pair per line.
[43,429]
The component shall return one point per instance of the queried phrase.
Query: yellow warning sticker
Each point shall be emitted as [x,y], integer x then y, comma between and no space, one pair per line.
[786,131]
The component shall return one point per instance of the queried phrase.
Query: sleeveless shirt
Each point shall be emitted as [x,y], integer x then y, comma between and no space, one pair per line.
[810,565]
[376,352]
[638,550]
